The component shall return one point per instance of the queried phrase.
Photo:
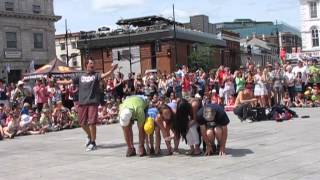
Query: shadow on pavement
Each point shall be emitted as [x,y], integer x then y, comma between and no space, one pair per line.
[112,145]
[238,152]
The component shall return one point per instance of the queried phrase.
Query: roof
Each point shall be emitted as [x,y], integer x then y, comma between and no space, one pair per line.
[151,36]
[146,21]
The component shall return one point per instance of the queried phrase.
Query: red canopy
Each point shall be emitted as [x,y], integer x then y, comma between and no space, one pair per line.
[56,68]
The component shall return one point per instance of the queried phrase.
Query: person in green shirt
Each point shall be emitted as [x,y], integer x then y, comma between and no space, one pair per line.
[316,97]
[133,109]
[313,73]
[240,81]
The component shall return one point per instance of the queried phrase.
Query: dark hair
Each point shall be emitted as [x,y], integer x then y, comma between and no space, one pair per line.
[166,107]
[183,116]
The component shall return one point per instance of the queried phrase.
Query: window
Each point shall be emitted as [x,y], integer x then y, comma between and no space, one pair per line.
[11,39]
[36,9]
[9,6]
[74,62]
[38,40]
[74,45]
[62,46]
[315,37]
[313,10]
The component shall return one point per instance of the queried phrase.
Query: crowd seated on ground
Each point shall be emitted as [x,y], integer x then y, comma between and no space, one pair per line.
[48,106]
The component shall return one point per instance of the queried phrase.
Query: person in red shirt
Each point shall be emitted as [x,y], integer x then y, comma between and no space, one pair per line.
[186,87]
[41,94]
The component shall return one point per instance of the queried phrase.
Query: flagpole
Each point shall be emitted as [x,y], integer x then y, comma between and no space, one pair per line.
[175,33]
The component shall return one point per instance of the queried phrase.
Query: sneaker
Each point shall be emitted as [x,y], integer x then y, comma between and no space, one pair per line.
[91,147]
[88,143]
[249,121]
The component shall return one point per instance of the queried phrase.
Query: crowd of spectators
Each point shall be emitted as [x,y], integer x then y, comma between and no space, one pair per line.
[46,106]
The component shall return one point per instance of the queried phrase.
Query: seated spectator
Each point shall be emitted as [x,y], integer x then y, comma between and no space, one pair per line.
[45,121]
[316,97]
[74,117]
[299,100]
[102,115]
[25,109]
[12,126]
[286,99]
[231,104]
[60,117]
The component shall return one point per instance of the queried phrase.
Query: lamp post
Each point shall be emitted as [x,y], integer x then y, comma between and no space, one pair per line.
[130,56]
[174,33]
[68,33]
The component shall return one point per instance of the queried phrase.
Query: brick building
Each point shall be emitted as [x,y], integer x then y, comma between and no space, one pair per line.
[151,41]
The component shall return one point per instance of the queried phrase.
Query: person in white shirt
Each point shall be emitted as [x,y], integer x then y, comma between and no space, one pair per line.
[303,69]
[289,81]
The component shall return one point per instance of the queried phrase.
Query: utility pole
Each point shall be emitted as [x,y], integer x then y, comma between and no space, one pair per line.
[130,56]
[66,39]
[278,38]
[175,33]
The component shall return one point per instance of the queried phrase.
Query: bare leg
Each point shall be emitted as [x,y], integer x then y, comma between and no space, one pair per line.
[93,132]
[126,133]
[87,130]
[141,139]
[158,140]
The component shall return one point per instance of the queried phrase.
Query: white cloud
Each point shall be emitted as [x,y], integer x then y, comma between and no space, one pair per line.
[180,14]
[113,5]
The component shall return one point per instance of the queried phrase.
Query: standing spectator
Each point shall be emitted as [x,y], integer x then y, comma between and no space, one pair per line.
[289,81]
[313,73]
[41,94]
[3,94]
[278,80]
[118,86]
[301,68]
[228,85]
[186,87]
[240,81]
[260,89]
[19,94]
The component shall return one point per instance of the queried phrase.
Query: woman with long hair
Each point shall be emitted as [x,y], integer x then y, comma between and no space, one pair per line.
[185,126]
[164,121]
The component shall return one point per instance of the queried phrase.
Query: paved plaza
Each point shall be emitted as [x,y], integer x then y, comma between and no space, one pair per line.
[264,150]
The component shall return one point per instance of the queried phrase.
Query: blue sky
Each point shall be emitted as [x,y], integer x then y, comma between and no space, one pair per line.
[90,14]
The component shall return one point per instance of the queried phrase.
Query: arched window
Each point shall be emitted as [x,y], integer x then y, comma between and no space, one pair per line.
[315,37]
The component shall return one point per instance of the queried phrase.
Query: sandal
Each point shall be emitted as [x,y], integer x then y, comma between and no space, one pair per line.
[131,152]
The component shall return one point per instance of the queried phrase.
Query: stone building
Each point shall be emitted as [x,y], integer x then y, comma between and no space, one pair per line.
[26,36]
[71,47]
[310,26]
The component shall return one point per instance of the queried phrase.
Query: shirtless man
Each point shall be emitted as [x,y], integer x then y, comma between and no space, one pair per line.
[244,101]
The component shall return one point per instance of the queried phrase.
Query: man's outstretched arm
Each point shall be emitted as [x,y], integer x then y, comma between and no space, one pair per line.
[107,74]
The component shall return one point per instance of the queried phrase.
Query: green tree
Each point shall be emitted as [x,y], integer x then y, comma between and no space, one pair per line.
[202,57]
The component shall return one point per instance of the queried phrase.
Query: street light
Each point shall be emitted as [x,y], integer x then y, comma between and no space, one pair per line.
[68,33]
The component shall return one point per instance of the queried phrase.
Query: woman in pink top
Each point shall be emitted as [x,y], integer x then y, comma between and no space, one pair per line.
[186,87]
[41,94]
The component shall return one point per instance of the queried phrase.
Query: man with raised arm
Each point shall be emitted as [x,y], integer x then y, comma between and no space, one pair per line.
[89,100]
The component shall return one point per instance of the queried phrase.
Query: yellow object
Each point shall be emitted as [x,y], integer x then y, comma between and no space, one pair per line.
[149,126]
[307,93]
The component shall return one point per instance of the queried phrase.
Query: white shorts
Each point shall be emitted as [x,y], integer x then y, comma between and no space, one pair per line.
[193,136]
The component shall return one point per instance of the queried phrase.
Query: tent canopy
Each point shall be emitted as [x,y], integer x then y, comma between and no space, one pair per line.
[56,68]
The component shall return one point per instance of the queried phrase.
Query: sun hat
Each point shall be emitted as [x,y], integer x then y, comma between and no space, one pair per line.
[20,83]
[125,117]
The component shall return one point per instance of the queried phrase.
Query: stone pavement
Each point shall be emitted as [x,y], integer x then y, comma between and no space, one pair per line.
[264,150]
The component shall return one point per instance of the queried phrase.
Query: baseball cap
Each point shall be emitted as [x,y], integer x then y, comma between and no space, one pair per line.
[125,117]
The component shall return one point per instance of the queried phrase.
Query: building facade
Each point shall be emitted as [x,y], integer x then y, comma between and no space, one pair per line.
[201,23]
[281,34]
[310,26]
[152,43]
[64,50]
[26,36]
